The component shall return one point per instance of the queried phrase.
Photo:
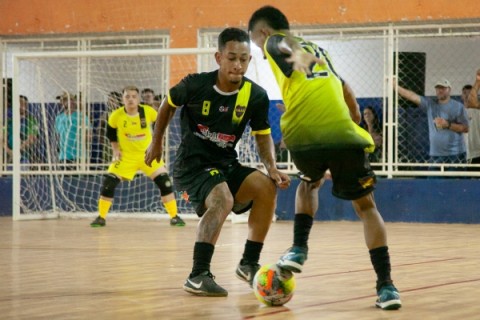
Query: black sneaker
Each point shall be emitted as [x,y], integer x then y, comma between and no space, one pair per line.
[246,272]
[98,222]
[204,285]
[177,221]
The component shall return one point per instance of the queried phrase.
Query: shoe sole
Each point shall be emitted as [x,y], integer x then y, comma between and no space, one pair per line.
[203,293]
[96,226]
[178,225]
[389,305]
[290,266]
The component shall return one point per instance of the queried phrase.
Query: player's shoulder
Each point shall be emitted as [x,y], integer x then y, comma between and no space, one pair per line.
[256,89]
[119,110]
[255,86]
[147,107]
[149,110]
[117,114]
[201,78]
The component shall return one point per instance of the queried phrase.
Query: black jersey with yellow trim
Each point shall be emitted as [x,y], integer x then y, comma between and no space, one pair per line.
[212,121]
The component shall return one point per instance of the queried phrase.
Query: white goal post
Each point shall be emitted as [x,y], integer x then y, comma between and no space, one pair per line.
[44,185]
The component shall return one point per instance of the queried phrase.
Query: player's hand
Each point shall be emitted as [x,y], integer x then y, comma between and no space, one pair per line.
[281,179]
[153,153]
[281,107]
[302,61]
[116,154]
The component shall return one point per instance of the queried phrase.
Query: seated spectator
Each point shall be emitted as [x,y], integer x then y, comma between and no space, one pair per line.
[372,124]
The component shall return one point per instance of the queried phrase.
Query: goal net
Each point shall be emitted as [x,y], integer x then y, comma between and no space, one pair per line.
[70,95]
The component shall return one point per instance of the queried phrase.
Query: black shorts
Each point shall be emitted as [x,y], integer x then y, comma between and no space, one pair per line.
[352,175]
[198,184]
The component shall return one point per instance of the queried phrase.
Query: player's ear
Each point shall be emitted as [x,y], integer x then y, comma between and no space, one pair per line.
[218,56]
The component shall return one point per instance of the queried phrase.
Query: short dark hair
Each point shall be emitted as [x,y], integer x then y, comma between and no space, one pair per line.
[273,17]
[232,34]
[24,97]
[148,90]
[467,87]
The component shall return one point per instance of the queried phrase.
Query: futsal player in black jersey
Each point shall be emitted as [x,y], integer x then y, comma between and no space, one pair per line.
[215,110]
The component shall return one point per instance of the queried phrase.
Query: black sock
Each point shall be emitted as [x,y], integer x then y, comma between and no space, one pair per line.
[251,254]
[301,229]
[202,256]
[381,263]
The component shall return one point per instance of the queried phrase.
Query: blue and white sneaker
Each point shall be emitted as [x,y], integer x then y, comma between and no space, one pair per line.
[294,259]
[388,298]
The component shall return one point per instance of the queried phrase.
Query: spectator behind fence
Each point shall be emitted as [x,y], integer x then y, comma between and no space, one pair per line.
[28,133]
[148,97]
[447,122]
[157,100]
[372,124]
[70,125]
[471,102]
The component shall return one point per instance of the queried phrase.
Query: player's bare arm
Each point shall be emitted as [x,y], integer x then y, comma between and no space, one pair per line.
[116,151]
[352,104]
[266,151]
[155,149]
[472,99]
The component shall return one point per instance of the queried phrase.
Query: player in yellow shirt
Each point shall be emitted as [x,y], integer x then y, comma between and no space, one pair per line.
[130,133]
[320,130]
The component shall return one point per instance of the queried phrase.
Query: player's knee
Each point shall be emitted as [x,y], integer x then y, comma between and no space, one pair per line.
[110,182]
[164,184]
[365,203]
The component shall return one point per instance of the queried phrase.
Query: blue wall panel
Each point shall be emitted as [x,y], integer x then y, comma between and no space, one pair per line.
[399,200]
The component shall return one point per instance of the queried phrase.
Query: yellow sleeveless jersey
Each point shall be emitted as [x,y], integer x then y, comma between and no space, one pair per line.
[316,115]
[133,138]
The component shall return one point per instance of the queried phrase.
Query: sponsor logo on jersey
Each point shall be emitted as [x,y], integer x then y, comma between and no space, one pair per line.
[366,182]
[135,137]
[222,140]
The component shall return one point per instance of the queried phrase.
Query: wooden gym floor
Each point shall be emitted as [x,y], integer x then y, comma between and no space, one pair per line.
[135,269]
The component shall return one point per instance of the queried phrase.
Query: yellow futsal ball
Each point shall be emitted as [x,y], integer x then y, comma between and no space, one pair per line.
[273,286]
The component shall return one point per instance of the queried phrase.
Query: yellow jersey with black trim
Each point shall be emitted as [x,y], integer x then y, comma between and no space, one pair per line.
[133,138]
[316,114]
[212,121]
